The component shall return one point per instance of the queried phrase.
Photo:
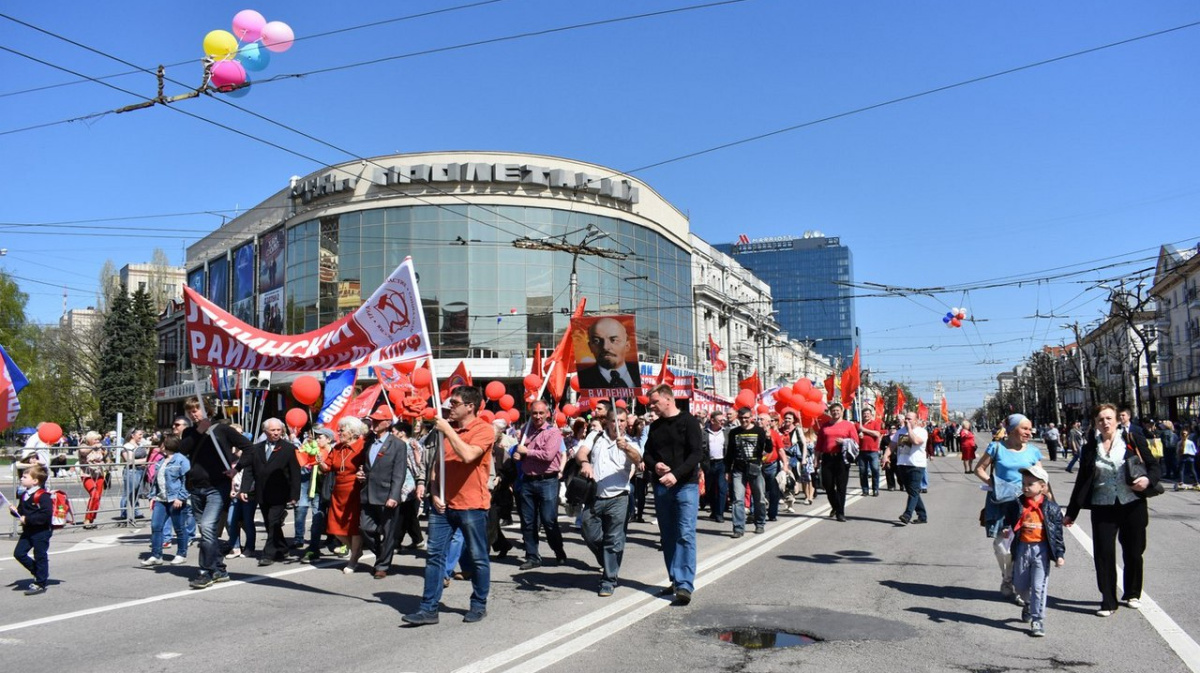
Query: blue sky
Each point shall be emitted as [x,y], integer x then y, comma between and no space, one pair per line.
[1088,158]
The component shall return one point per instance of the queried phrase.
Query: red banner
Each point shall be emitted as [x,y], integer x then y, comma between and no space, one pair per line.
[388,328]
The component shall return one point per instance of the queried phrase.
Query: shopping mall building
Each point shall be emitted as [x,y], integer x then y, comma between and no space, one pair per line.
[494,237]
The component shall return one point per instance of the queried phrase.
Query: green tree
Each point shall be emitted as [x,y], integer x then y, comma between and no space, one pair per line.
[120,368]
[889,397]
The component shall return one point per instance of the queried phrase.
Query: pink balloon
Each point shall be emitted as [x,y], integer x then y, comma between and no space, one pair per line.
[248,25]
[227,74]
[277,36]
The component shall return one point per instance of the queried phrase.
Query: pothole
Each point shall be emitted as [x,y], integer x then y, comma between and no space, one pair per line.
[761,639]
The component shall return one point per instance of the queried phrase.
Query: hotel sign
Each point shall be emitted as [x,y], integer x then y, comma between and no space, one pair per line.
[385,174]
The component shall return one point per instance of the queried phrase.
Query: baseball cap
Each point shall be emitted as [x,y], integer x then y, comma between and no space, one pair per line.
[382,414]
[1037,471]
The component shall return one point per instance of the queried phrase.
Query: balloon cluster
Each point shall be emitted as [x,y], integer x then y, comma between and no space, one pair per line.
[495,392]
[247,49]
[954,317]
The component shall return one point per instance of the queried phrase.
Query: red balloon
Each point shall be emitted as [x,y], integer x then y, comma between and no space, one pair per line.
[621,404]
[422,377]
[812,410]
[956,322]
[784,395]
[487,415]
[745,398]
[514,415]
[643,400]
[494,390]
[507,402]
[49,432]
[560,419]
[306,389]
[814,395]
[802,386]
[570,410]
[407,367]
[575,383]
[397,395]
[428,413]
[296,418]
[762,409]
[533,382]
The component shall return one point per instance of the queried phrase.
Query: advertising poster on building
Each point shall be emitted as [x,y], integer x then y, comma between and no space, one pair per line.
[243,283]
[195,280]
[270,280]
[218,282]
[606,356]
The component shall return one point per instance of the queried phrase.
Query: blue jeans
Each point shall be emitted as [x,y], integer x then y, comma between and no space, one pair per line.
[677,508]
[302,506]
[716,489]
[1074,459]
[604,532]
[774,493]
[911,477]
[210,505]
[868,471]
[539,505]
[131,490]
[1187,464]
[1031,573]
[473,524]
[456,549]
[241,518]
[163,512]
[752,474]
[39,565]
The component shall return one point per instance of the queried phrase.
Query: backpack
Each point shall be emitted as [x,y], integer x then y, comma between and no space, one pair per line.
[61,513]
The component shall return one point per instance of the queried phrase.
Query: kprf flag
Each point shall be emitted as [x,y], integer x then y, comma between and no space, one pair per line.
[751,383]
[714,353]
[388,328]
[460,377]
[665,375]
[562,360]
[364,404]
[11,383]
[879,407]
[339,390]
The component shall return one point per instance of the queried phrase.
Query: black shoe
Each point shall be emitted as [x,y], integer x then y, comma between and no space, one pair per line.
[759,530]
[264,561]
[420,618]
[473,616]
[875,494]
[924,490]
[737,534]
[560,558]
[201,581]
[639,519]
[35,589]
[530,564]
[921,521]
[683,597]
[667,591]
[720,519]
[905,520]
[220,576]
[841,518]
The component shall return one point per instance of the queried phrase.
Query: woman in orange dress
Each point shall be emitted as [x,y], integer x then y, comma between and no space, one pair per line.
[345,461]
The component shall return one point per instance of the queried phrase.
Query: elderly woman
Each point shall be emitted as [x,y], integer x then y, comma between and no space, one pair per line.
[1000,468]
[92,457]
[133,456]
[345,463]
[966,444]
[1117,500]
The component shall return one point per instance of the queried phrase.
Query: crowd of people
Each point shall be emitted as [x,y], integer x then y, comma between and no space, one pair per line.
[363,485]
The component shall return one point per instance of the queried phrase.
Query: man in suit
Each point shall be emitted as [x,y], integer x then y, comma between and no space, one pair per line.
[271,473]
[383,477]
[609,342]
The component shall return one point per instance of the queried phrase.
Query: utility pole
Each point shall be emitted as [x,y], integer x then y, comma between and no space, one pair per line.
[592,234]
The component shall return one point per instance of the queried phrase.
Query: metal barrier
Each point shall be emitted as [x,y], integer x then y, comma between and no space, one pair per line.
[70,479]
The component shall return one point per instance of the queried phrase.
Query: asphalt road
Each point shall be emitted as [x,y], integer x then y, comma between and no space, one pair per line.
[874,595]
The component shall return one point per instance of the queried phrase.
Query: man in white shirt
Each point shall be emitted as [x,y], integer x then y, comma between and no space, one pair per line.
[609,460]
[715,484]
[908,447]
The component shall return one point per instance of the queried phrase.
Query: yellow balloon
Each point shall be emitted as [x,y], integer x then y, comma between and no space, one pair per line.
[220,44]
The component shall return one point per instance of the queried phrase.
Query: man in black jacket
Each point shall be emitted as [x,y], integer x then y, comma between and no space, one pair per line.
[271,475]
[383,476]
[208,446]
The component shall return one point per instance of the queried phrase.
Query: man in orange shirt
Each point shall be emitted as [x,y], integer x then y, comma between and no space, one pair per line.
[467,443]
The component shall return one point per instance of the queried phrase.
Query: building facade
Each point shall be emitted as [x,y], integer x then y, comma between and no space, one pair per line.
[477,225]
[809,278]
[1115,357]
[1177,319]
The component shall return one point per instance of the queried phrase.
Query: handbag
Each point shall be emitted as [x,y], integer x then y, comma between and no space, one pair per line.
[1135,468]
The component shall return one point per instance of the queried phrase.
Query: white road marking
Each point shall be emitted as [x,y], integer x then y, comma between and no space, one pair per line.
[168,655]
[10,641]
[1183,644]
[632,609]
[90,544]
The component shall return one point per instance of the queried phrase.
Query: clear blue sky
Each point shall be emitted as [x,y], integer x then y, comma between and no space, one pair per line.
[1089,158]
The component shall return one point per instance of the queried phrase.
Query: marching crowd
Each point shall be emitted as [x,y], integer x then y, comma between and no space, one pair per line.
[363,486]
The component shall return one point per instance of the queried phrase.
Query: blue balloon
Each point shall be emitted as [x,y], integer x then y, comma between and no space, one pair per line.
[946,319]
[253,57]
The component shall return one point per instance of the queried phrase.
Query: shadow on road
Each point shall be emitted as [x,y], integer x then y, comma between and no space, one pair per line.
[943,592]
[942,616]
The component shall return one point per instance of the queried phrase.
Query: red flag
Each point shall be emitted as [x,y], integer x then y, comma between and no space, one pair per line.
[364,404]
[900,401]
[850,380]
[922,410]
[664,374]
[539,368]
[945,411]
[714,353]
[752,384]
[829,388]
[563,357]
[879,407]
[460,377]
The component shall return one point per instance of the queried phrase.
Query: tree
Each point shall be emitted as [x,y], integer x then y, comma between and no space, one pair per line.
[889,396]
[127,360]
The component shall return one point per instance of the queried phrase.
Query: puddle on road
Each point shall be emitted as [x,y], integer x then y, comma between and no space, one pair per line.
[760,639]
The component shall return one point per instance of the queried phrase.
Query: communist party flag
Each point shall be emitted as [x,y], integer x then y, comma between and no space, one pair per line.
[945,411]
[922,410]
[900,401]
[879,407]
[714,356]
[539,368]
[851,378]
[665,375]
[751,383]
[829,384]
[562,360]
[460,377]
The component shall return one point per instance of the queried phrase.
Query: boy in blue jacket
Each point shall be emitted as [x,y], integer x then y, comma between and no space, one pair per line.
[1034,523]
[34,509]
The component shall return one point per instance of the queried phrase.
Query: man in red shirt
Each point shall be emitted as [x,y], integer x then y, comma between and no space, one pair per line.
[467,447]
[871,430]
[835,473]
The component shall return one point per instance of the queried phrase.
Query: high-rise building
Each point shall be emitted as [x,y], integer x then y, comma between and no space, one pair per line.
[810,280]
